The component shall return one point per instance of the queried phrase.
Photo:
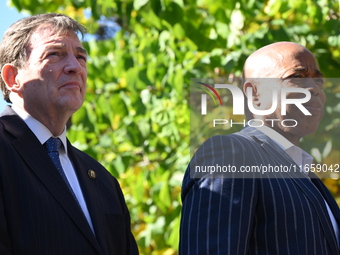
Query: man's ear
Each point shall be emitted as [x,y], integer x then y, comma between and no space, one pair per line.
[249,86]
[8,74]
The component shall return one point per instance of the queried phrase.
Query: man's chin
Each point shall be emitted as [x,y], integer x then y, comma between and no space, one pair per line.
[72,105]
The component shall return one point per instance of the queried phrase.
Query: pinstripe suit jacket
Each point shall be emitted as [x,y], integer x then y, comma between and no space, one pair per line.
[254,215]
[38,214]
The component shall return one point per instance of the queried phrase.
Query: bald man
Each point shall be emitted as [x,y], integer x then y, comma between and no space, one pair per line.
[285,213]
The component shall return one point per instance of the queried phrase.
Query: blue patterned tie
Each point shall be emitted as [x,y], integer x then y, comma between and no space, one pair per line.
[52,146]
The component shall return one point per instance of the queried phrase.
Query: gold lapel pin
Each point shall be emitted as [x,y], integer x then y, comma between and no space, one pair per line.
[92,174]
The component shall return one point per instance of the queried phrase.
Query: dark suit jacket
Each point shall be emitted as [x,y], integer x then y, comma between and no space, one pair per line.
[281,215]
[38,214]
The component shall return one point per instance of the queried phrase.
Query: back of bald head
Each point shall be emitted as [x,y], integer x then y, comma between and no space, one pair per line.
[265,62]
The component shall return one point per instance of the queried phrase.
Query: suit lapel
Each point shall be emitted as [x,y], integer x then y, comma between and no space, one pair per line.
[35,156]
[311,191]
[89,188]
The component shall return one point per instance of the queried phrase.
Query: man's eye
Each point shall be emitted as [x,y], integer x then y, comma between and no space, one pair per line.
[82,57]
[295,76]
[53,54]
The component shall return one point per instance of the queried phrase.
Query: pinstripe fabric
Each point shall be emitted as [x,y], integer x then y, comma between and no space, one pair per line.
[233,216]
[38,214]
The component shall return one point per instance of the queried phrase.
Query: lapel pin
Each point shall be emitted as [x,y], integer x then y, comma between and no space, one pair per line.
[92,174]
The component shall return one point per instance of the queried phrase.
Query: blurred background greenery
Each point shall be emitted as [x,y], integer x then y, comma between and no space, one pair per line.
[142,55]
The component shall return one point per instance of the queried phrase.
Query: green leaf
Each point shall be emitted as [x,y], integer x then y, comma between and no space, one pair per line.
[237,19]
[327,150]
[164,194]
[179,32]
[173,239]
[134,134]
[137,4]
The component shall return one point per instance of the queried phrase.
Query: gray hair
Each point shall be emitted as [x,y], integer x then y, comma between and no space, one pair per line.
[17,37]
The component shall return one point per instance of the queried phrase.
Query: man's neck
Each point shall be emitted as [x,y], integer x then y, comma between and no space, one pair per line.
[288,135]
[54,124]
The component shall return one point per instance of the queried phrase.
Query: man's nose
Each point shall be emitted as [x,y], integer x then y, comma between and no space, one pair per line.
[73,66]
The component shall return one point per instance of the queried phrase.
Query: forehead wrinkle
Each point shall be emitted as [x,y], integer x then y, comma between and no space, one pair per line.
[54,43]
[63,45]
[277,56]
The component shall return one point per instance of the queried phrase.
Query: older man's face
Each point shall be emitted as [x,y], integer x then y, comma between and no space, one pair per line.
[297,69]
[54,77]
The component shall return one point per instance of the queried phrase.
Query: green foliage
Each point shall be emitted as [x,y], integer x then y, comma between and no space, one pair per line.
[136,121]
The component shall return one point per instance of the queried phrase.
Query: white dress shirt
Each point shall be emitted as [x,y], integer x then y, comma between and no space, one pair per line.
[43,134]
[301,158]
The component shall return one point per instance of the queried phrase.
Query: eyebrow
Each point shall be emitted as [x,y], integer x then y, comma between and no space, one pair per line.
[82,50]
[304,69]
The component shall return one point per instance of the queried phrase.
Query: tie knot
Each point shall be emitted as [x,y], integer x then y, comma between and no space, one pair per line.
[53,144]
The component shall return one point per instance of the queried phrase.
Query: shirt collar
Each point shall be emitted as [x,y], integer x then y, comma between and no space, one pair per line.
[39,130]
[299,156]
[283,142]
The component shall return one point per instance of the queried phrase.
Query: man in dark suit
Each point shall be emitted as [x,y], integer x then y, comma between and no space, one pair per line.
[283,212]
[54,199]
